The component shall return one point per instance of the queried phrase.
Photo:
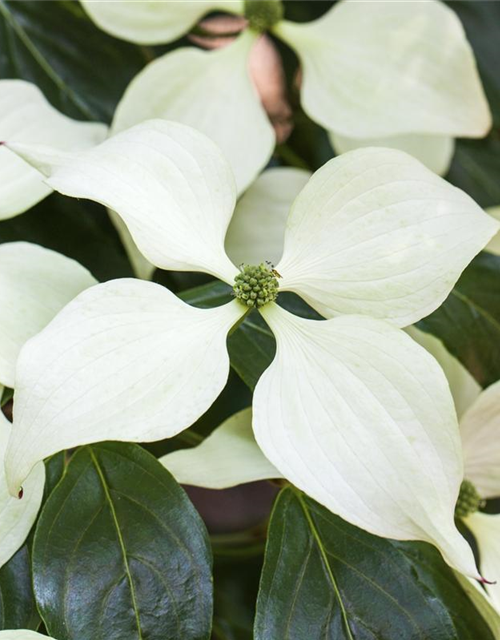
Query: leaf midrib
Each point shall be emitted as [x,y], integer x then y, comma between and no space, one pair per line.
[120,541]
[326,564]
[483,312]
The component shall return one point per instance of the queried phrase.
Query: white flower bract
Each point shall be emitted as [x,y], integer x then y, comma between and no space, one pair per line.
[373,237]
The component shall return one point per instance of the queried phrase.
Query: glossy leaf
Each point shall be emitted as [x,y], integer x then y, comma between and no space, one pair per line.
[207,296]
[475,169]
[81,70]
[17,604]
[120,552]
[468,322]
[324,578]
[17,601]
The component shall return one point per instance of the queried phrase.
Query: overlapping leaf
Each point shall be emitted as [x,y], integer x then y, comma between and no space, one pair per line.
[324,578]
[119,552]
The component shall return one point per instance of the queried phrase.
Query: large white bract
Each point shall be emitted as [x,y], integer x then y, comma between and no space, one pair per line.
[392,74]
[351,410]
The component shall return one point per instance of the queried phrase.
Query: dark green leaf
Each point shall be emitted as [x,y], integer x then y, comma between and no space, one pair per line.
[476,164]
[476,167]
[252,345]
[6,396]
[251,349]
[80,230]
[17,604]
[207,296]
[236,585]
[468,322]
[55,467]
[326,579]
[482,25]
[81,70]
[120,552]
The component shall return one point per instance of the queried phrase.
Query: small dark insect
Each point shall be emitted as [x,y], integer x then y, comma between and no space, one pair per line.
[21,493]
[275,273]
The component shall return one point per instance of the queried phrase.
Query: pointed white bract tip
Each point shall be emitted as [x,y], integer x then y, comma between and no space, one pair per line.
[484,581]
[14,481]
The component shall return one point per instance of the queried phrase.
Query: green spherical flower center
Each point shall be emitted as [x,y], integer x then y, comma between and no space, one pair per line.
[255,286]
[469,501]
[262,15]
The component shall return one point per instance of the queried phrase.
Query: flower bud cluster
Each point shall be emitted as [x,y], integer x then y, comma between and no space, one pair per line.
[469,501]
[255,286]
[262,15]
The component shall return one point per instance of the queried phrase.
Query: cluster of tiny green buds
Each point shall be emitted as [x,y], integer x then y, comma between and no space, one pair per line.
[255,286]
[469,501]
[262,15]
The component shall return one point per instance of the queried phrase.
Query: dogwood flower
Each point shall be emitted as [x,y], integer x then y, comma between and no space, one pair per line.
[479,414]
[26,116]
[35,284]
[398,74]
[350,407]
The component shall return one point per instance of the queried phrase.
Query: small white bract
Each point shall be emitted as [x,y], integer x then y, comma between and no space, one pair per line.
[27,116]
[352,411]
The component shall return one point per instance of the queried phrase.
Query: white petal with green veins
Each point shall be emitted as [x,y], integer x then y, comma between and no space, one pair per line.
[169,183]
[211,91]
[358,416]
[374,232]
[463,386]
[126,360]
[373,69]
